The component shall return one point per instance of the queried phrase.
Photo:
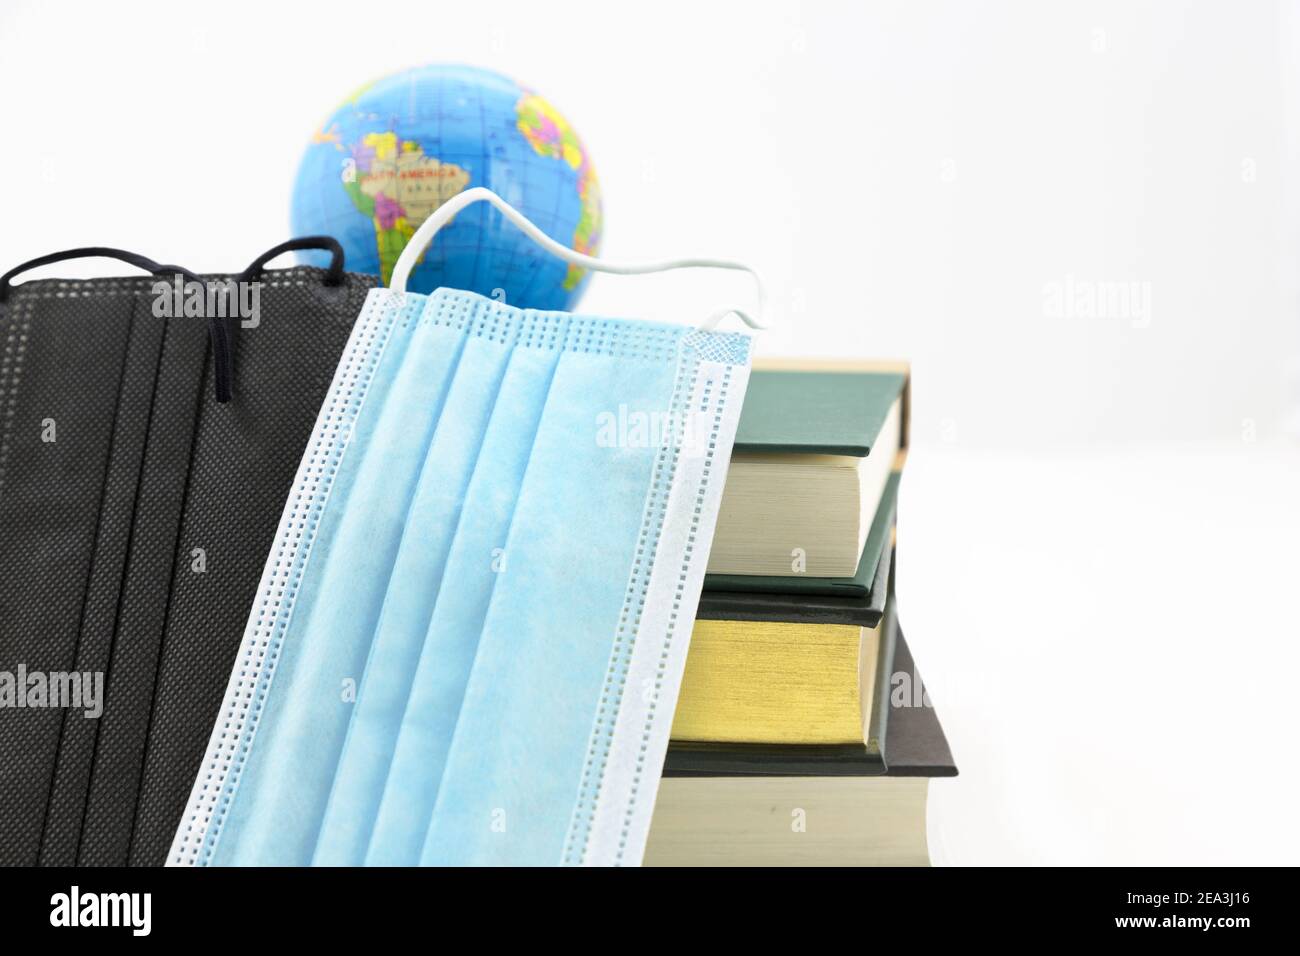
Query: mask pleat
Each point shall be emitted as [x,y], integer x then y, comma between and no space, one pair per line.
[328,636]
[416,582]
[246,454]
[477,560]
[578,518]
[54,450]
[63,822]
[145,598]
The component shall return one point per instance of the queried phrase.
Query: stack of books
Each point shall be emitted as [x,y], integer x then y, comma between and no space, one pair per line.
[802,735]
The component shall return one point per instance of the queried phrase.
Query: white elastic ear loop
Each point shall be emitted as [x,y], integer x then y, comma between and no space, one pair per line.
[443,214]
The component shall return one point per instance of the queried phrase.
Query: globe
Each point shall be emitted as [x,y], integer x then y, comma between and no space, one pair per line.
[398,149]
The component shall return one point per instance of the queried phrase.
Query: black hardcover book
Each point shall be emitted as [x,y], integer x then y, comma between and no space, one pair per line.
[916,744]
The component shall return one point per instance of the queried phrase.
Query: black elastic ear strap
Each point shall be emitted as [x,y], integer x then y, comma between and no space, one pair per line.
[86,252]
[333,277]
[223,357]
[217,330]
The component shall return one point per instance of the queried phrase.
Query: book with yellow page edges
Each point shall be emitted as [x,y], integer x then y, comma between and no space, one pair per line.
[794,639]
[773,697]
[806,815]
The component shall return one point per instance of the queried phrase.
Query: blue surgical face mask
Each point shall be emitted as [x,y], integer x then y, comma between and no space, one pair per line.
[471,627]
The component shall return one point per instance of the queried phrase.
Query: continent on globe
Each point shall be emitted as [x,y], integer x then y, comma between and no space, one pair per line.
[550,135]
[405,144]
[398,187]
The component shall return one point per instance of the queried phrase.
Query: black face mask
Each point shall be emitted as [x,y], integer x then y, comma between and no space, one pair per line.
[141,485]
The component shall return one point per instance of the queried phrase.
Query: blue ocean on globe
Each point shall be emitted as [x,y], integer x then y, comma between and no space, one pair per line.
[401,147]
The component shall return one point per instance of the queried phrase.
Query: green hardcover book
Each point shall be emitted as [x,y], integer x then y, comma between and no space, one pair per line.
[831,412]
[813,457]
[857,587]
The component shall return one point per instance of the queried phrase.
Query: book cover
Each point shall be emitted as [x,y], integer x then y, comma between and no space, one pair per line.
[832,412]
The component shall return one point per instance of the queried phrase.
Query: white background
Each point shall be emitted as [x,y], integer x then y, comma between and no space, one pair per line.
[1099,523]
